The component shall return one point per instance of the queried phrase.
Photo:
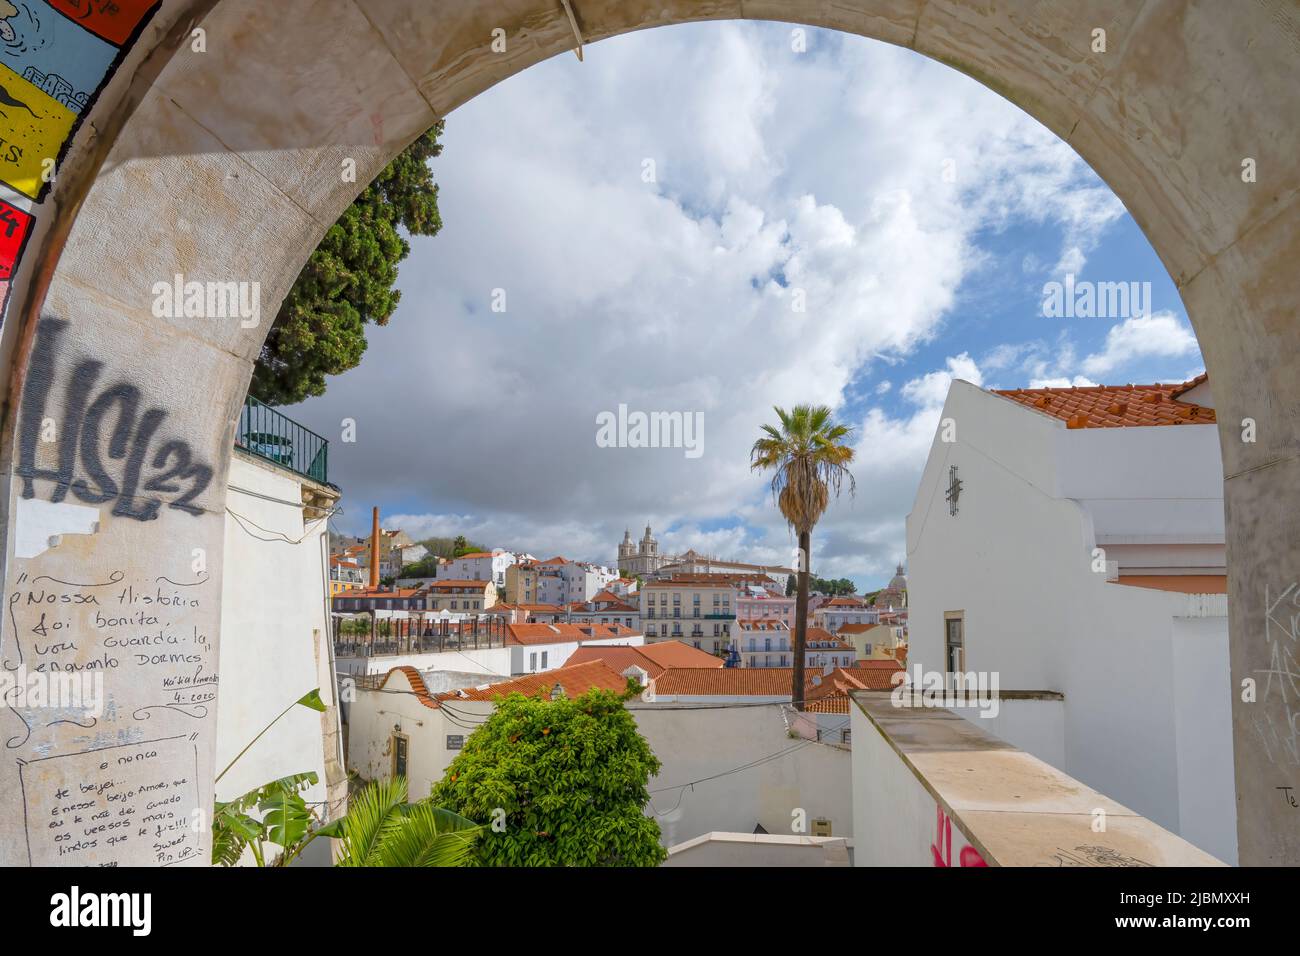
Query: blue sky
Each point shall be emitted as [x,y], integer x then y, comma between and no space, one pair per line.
[917,214]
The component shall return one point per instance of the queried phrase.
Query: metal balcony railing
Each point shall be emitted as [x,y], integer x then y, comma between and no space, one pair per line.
[269,435]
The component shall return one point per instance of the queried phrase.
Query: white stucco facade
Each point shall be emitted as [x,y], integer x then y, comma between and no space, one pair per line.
[1144,672]
[275,638]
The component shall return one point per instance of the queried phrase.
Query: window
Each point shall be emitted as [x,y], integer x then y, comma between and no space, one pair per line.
[455,741]
[544,653]
[954,641]
[532,661]
[398,746]
[846,736]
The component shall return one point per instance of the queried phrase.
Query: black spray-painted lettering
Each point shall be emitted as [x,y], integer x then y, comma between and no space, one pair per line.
[81,448]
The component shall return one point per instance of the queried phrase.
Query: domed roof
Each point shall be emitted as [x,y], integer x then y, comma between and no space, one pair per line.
[899,580]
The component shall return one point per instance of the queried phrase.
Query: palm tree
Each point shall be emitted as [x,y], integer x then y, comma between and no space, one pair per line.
[382,829]
[810,457]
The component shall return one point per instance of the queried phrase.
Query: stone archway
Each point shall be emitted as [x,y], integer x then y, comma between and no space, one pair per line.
[225,165]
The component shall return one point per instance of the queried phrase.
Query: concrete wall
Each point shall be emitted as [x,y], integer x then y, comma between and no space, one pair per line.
[695,744]
[225,166]
[748,849]
[275,638]
[897,820]
[932,788]
[1035,726]
[1207,806]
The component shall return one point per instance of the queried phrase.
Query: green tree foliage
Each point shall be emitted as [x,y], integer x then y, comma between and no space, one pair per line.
[348,281]
[557,783]
[835,588]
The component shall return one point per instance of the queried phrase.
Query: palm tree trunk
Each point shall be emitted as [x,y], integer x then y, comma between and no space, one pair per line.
[801,620]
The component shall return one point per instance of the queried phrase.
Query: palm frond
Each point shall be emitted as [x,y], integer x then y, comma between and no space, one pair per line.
[427,836]
[369,811]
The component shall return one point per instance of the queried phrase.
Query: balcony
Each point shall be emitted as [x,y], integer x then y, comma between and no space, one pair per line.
[273,437]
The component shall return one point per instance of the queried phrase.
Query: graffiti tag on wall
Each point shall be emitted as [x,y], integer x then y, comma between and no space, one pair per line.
[55,57]
[941,848]
[100,422]
[15,227]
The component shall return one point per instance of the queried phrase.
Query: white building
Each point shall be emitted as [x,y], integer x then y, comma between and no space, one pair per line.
[838,612]
[822,649]
[402,727]
[693,563]
[1072,541]
[483,566]
[605,608]
[563,582]
[755,603]
[762,643]
[276,642]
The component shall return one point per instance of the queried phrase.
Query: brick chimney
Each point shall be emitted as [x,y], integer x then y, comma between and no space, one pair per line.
[374,550]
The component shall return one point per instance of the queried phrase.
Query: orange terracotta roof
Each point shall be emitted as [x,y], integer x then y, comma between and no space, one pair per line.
[1115,406]
[833,704]
[475,554]
[418,687]
[368,594]
[575,681]
[702,580]
[858,677]
[555,560]
[874,675]
[725,681]
[561,633]
[445,584]
[844,602]
[1190,384]
[1186,583]
[857,628]
[654,659]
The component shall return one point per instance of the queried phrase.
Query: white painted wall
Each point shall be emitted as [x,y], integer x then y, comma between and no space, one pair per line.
[1202,677]
[749,849]
[694,744]
[493,660]
[275,644]
[1035,726]
[375,716]
[509,661]
[1016,559]
[893,814]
